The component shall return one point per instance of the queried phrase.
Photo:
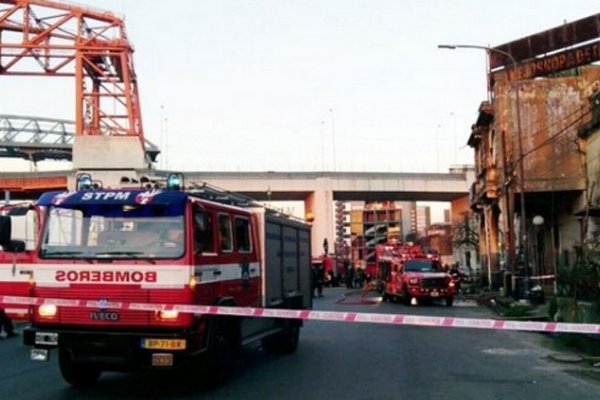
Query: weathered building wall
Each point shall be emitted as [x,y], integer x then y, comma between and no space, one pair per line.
[592,151]
[551,111]
[569,237]
[459,208]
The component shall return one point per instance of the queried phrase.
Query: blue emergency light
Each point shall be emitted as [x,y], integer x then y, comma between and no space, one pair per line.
[84,182]
[174,181]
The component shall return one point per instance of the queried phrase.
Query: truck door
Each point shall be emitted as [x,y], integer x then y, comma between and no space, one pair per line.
[206,260]
[16,267]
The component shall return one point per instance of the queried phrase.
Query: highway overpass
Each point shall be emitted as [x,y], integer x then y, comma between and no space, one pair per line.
[318,190]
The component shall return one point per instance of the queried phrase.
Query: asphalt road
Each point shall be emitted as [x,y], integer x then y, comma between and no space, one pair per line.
[344,361]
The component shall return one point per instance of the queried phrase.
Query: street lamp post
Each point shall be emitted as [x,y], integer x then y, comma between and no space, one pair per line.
[523,219]
[538,222]
[333,137]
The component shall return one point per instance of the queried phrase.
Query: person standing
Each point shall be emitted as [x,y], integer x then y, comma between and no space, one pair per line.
[318,278]
[349,276]
[6,324]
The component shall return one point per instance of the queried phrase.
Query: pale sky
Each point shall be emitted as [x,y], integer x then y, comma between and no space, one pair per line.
[274,84]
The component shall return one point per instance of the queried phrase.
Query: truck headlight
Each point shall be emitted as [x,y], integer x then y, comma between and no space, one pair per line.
[47,310]
[193,282]
[168,314]
[413,281]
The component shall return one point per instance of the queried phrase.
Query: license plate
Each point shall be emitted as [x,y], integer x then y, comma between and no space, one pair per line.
[164,344]
[162,360]
[435,294]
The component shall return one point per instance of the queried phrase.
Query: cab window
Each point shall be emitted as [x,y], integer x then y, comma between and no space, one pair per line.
[203,232]
[242,235]
[225,233]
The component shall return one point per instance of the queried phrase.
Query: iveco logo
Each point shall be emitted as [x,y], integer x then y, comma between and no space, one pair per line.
[104,316]
[103,304]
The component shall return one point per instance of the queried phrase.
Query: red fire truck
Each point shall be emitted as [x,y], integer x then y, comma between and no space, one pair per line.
[407,271]
[17,256]
[162,246]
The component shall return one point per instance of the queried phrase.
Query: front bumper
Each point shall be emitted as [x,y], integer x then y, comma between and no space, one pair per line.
[430,293]
[118,351]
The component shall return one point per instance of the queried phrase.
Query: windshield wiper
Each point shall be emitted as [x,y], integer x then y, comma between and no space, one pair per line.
[65,254]
[130,254]
[119,252]
[46,253]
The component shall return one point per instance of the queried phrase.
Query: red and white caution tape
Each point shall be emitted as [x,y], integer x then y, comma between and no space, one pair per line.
[388,319]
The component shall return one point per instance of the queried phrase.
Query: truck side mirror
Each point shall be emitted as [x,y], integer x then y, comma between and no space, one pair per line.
[5,228]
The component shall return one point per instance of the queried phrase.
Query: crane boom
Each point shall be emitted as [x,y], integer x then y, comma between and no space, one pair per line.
[49,38]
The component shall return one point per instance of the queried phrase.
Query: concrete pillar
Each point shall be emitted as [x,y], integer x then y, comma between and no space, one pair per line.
[494,232]
[319,205]
[406,207]
[483,246]
[108,153]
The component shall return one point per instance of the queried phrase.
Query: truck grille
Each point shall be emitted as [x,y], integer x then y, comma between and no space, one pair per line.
[434,283]
[82,316]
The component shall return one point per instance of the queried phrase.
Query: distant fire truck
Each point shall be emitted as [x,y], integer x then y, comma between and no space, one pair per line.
[17,256]
[162,246]
[407,272]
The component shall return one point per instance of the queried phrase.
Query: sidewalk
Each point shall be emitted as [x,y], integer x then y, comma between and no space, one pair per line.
[511,309]
[569,347]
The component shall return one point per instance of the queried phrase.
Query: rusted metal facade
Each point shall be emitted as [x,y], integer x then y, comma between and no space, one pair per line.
[552,110]
[565,36]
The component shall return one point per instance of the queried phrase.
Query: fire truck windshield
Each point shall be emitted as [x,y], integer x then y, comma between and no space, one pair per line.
[421,266]
[114,231]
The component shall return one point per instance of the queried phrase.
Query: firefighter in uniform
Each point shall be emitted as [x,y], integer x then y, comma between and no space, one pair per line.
[318,278]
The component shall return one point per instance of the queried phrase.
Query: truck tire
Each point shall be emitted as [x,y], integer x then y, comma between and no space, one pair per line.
[218,360]
[449,301]
[385,296]
[77,374]
[406,296]
[284,342]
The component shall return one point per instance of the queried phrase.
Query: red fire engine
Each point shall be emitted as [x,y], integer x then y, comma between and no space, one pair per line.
[407,271]
[17,256]
[162,246]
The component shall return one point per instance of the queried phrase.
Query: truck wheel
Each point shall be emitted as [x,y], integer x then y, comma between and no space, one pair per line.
[406,296]
[74,373]
[449,301]
[285,342]
[218,362]
[385,296]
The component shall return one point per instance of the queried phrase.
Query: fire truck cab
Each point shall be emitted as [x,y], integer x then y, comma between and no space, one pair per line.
[409,273]
[162,246]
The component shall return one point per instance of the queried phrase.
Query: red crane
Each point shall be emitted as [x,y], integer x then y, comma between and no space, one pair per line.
[49,38]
